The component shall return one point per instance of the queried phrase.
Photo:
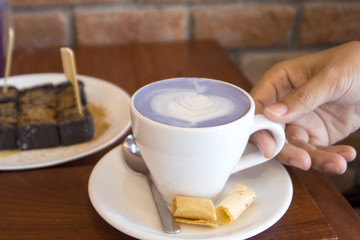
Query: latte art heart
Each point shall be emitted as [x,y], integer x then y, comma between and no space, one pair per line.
[191,102]
[190,106]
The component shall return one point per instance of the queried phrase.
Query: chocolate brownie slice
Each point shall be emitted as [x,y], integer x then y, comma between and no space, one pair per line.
[11,95]
[8,119]
[40,95]
[66,96]
[36,127]
[73,127]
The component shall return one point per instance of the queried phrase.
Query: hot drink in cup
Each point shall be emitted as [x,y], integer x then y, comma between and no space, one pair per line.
[192,102]
[192,133]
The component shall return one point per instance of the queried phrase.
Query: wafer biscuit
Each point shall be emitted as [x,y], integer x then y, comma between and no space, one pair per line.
[234,204]
[192,210]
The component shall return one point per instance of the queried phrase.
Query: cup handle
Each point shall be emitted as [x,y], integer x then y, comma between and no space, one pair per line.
[252,156]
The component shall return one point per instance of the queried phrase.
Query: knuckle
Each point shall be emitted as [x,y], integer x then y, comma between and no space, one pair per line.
[303,97]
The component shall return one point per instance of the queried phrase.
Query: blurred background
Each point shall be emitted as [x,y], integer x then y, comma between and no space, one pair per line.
[257,34]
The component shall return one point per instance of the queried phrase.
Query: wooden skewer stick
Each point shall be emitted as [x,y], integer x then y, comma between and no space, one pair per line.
[68,62]
[9,51]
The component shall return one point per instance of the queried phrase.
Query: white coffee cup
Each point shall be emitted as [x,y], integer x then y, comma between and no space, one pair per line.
[189,150]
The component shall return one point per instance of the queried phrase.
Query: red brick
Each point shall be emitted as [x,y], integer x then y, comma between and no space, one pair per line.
[244,26]
[39,30]
[22,3]
[130,25]
[183,1]
[330,23]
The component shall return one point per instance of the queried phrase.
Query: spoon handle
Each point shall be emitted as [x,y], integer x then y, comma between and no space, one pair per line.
[168,221]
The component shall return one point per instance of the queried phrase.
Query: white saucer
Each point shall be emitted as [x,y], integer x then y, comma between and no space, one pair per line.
[124,200]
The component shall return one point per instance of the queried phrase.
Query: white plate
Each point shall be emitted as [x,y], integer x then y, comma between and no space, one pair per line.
[124,200]
[113,100]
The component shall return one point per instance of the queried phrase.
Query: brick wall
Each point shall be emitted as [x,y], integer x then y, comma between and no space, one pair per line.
[257,33]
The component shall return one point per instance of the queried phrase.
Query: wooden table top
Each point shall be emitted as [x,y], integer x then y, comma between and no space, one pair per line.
[53,202]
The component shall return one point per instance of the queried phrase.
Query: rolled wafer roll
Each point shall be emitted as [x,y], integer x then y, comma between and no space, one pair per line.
[234,204]
[192,210]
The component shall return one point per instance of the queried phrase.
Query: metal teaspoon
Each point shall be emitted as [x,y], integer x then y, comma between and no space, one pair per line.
[135,162]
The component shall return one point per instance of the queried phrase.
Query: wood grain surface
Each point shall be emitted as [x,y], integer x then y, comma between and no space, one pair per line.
[53,203]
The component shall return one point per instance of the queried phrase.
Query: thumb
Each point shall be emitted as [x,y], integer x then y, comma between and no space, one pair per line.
[299,101]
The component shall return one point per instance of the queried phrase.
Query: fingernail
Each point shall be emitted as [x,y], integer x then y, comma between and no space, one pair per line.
[277,109]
